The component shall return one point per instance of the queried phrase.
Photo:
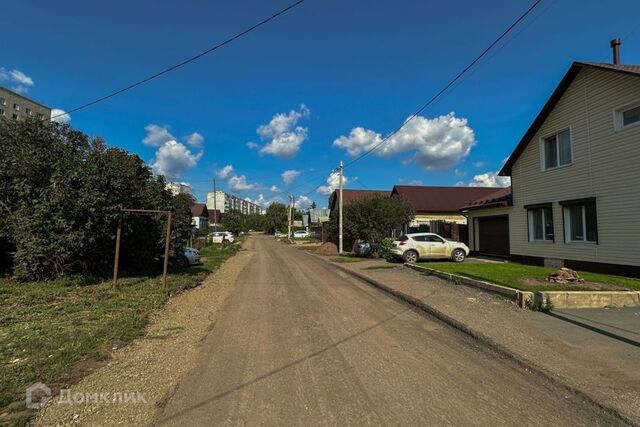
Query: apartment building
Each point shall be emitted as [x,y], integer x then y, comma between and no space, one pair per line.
[16,106]
[225,202]
[178,188]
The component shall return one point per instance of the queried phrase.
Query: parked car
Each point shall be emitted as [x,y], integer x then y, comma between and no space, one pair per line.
[362,248]
[412,247]
[219,236]
[191,256]
[300,234]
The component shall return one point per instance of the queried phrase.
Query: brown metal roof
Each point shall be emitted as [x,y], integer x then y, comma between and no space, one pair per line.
[553,100]
[349,196]
[440,199]
[502,197]
[199,209]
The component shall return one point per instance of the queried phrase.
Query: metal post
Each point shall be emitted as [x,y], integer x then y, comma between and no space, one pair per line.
[289,220]
[215,210]
[117,255]
[340,211]
[166,252]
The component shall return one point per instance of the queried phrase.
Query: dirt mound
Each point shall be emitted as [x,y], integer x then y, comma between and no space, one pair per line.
[327,248]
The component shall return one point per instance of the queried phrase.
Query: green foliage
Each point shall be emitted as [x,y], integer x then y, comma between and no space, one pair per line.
[385,247]
[373,219]
[275,218]
[254,222]
[234,221]
[60,199]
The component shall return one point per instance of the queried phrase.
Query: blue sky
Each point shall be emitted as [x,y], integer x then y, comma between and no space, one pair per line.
[295,86]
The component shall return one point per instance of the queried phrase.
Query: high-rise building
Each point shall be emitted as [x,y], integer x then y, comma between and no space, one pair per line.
[226,202]
[178,188]
[16,106]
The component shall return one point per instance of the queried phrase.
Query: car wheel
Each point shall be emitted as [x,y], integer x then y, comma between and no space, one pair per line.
[410,256]
[458,255]
[184,261]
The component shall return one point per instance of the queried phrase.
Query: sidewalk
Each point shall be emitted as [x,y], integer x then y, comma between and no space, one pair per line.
[595,351]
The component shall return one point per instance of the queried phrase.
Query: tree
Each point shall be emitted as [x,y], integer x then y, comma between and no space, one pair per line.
[255,222]
[234,221]
[313,205]
[275,218]
[60,199]
[373,219]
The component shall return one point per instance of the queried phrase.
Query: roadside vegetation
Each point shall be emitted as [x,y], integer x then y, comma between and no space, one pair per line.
[531,278]
[57,331]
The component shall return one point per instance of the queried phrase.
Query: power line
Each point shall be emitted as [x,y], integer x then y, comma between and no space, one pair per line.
[448,85]
[183,63]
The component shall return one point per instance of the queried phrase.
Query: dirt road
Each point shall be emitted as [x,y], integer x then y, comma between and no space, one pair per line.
[298,343]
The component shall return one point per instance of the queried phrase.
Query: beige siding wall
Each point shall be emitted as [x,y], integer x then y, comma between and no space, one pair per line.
[426,218]
[473,215]
[606,165]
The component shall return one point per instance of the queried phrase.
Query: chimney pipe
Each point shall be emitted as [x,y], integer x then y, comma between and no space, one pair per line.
[615,45]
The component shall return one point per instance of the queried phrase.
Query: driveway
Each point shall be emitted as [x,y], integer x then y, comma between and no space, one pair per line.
[299,343]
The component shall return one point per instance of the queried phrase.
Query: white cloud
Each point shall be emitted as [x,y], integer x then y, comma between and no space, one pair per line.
[303,202]
[194,140]
[274,189]
[264,202]
[157,135]
[333,182]
[435,144]
[60,116]
[173,159]
[282,134]
[478,164]
[490,179]
[415,182]
[239,183]
[289,176]
[18,80]
[252,145]
[226,172]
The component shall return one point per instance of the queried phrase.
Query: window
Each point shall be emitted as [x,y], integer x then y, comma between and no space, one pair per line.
[1,112]
[540,223]
[16,107]
[14,116]
[556,150]
[3,101]
[626,117]
[28,111]
[580,222]
[40,116]
[434,239]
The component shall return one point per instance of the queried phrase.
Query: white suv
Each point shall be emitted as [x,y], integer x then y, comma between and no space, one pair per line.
[412,247]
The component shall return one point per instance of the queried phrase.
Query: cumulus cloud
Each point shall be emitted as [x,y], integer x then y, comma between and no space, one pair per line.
[289,176]
[282,134]
[252,145]
[490,179]
[226,172]
[333,182]
[157,135]
[16,79]
[60,116]
[303,202]
[173,159]
[274,189]
[194,140]
[478,164]
[415,182]
[264,202]
[239,183]
[435,144]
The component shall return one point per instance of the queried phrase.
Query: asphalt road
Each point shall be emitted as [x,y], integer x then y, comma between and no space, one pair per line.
[299,343]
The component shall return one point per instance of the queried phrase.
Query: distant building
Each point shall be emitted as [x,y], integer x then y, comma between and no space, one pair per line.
[16,106]
[225,202]
[178,188]
[199,216]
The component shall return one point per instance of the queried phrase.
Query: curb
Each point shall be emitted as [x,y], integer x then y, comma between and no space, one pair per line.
[483,339]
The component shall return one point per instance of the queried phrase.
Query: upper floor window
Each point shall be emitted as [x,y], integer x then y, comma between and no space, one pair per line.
[580,221]
[626,116]
[16,107]
[556,150]
[28,111]
[1,112]
[3,101]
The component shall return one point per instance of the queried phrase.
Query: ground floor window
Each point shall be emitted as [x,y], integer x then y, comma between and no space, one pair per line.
[580,222]
[540,223]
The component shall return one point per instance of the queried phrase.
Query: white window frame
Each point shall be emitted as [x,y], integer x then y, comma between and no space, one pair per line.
[532,234]
[618,123]
[567,225]
[543,166]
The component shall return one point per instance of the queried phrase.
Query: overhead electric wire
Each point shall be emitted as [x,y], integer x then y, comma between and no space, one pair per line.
[183,63]
[449,84]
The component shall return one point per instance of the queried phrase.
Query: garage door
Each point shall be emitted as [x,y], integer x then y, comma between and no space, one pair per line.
[493,233]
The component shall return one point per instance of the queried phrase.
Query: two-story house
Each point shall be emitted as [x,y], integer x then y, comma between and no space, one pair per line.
[575,176]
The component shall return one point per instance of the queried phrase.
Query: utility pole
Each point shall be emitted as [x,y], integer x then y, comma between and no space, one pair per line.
[340,210]
[289,220]
[215,209]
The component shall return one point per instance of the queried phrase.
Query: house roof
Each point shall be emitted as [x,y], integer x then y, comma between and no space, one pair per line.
[350,196]
[566,81]
[501,197]
[440,199]
[199,209]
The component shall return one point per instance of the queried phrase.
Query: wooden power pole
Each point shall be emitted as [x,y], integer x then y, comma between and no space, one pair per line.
[340,210]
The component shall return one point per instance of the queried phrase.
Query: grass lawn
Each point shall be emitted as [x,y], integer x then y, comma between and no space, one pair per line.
[348,258]
[307,240]
[49,329]
[514,275]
